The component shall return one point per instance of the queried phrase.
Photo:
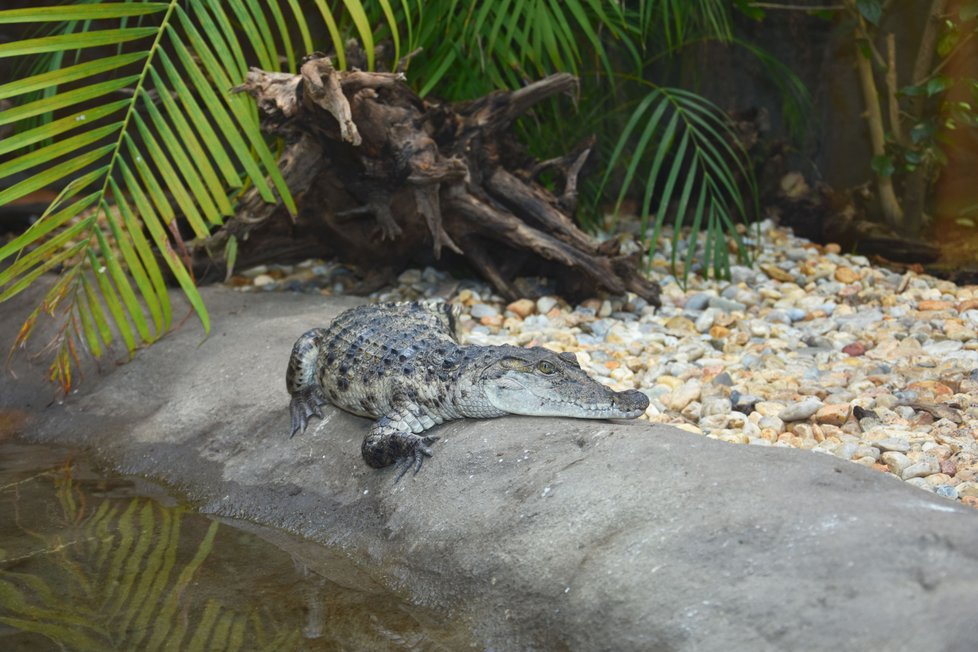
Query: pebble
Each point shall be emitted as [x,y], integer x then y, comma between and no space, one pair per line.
[719,405]
[482,310]
[810,348]
[683,395]
[705,321]
[868,452]
[846,450]
[800,410]
[946,490]
[968,489]
[726,305]
[698,301]
[921,469]
[772,423]
[797,314]
[835,414]
[896,462]
[744,402]
[522,308]
[546,304]
[920,483]
[893,444]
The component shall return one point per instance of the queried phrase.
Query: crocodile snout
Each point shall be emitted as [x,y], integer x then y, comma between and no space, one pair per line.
[631,399]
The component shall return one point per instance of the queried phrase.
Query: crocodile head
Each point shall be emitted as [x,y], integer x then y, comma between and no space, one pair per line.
[539,382]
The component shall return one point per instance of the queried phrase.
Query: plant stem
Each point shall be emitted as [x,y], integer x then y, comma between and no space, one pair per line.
[915,186]
[928,46]
[892,212]
[896,128]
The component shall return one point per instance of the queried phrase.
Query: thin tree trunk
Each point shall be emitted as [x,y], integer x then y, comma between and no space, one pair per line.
[892,212]
[915,186]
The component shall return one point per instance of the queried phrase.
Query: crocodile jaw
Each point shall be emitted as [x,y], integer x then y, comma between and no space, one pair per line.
[527,394]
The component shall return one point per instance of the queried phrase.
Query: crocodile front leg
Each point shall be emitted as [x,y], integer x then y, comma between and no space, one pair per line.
[300,379]
[395,439]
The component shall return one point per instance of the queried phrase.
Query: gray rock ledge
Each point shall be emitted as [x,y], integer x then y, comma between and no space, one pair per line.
[538,533]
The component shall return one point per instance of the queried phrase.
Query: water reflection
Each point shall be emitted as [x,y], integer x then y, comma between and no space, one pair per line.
[92,562]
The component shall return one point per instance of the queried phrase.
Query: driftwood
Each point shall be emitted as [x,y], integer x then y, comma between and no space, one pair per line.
[384,179]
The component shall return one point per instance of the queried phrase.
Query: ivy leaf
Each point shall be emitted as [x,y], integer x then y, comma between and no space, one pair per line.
[871,10]
[883,165]
[922,131]
[912,91]
[947,42]
[937,85]
[964,114]
[911,159]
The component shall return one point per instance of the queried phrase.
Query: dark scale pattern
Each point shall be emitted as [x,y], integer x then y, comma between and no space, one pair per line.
[402,364]
[371,338]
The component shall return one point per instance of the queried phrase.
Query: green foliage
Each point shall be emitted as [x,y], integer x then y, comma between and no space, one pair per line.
[695,163]
[471,49]
[871,10]
[148,146]
[929,125]
[883,166]
[126,107]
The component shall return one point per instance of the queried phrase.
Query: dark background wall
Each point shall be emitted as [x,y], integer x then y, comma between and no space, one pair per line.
[834,145]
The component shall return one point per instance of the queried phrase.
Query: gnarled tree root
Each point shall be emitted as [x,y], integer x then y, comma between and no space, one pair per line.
[384,178]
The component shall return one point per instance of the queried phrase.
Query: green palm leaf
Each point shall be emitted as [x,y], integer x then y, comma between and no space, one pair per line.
[674,23]
[503,44]
[696,167]
[142,136]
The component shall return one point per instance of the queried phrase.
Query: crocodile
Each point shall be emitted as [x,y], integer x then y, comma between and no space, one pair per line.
[403,365]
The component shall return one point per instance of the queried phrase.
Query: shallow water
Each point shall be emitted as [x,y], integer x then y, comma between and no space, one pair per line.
[94,561]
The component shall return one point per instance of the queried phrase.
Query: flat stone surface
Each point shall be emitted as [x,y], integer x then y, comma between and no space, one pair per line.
[540,533]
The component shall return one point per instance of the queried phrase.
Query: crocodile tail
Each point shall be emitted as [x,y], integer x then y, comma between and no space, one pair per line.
[301,373]
[452,313]
[446,313]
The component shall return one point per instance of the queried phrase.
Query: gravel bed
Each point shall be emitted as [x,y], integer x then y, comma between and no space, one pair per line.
[810,348]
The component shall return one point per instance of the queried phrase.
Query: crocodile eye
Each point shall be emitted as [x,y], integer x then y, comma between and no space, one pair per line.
[546,367]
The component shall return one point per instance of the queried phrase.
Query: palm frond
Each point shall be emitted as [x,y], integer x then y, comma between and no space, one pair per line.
[147,146]
[668,25]
[509,42]
[689,163]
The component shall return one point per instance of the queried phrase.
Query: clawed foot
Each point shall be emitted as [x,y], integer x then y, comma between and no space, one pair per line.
[417,450]
[304,405]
